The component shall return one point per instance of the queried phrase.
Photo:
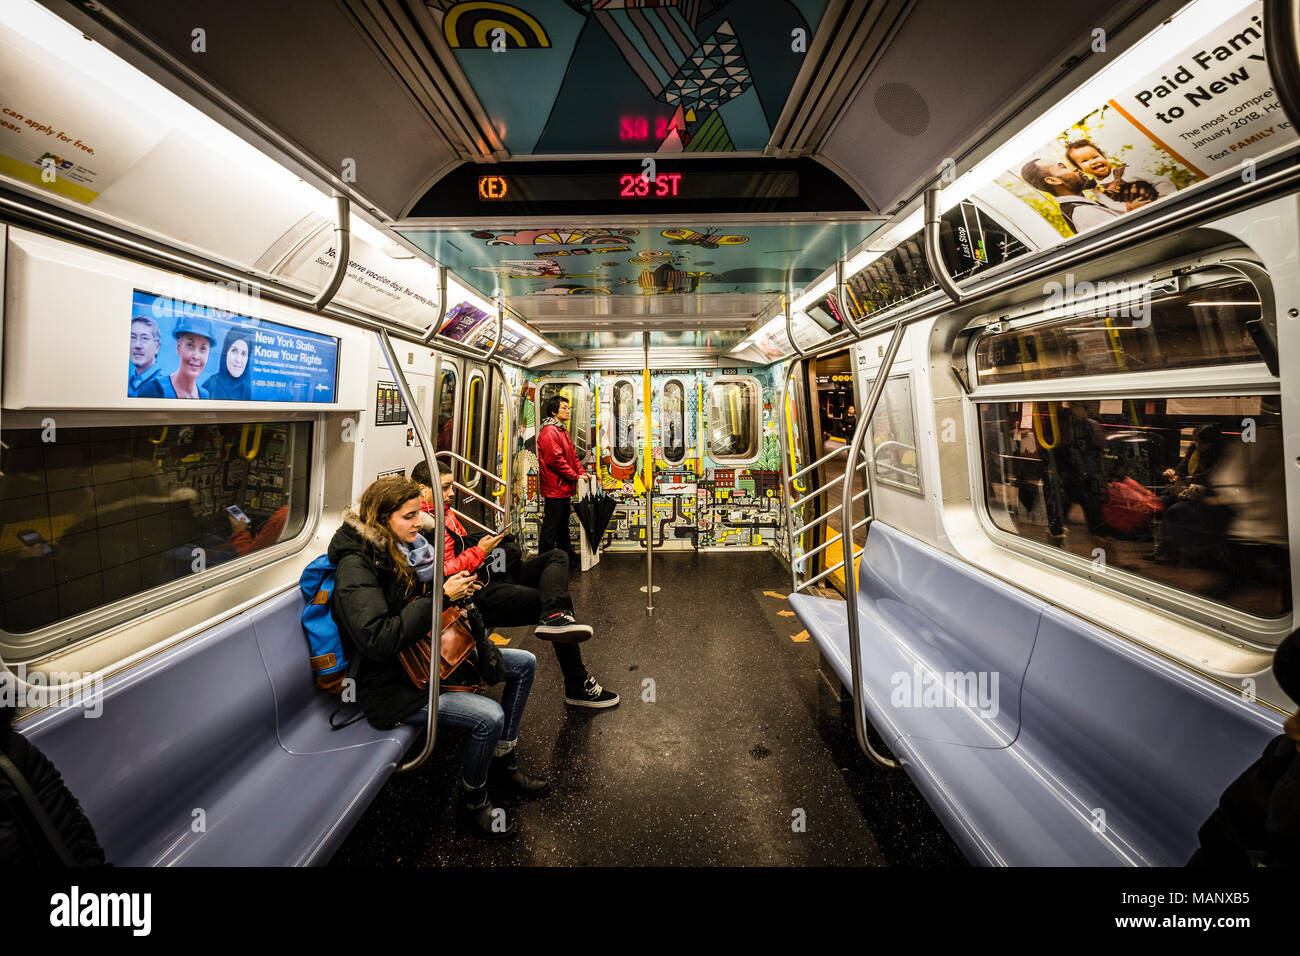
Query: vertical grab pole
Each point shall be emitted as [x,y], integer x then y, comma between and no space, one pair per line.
[787,485]
[649,481]
[426,446]
[850,562]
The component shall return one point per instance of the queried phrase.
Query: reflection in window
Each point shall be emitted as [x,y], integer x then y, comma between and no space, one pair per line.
[624,424]
[445,436]
[106,513]
[893,436]
[473,437]
[1211,325]
[575,393]
[969,239]
[1191,497]
[672,422]
[733,420]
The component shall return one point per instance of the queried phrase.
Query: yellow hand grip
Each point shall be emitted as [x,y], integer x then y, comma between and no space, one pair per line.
[1038,426]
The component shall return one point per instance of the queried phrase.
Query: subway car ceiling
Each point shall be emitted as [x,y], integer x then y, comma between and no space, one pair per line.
[782,151]
[545,198]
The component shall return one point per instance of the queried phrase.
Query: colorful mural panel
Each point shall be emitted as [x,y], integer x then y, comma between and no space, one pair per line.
[641,260]
[643,76]
[698,502]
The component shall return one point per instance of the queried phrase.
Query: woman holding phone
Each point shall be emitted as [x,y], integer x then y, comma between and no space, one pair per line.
[381,604]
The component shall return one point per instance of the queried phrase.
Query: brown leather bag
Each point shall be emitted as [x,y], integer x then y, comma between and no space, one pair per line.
[456,643]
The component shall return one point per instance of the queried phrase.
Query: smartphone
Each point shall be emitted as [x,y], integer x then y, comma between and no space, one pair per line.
[237,514]
[33,538]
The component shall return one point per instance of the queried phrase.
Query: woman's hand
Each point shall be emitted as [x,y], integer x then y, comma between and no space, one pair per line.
[459,585]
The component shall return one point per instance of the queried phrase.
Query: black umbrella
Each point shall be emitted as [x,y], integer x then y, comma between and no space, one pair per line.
[594,512]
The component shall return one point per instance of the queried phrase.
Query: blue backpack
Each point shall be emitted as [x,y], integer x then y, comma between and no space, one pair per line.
[328,662]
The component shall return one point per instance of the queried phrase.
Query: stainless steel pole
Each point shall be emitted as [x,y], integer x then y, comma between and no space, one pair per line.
[649,481]
[426,445]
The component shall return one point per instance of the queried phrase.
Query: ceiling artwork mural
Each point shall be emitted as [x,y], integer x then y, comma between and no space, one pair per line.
[631,76]
[640,259]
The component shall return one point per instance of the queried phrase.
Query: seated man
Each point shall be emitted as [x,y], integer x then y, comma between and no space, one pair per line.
[1257,822]
[535,590]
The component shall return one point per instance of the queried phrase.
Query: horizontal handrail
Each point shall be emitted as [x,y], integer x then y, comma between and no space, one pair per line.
[477,497]
[839,536]
[469,464]
[800,502]
[482,527]
[829,571]
[822,460]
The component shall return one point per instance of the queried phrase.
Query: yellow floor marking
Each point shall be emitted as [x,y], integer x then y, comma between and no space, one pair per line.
[834,555]
[785,613]
[799,638]
[775,594]
[498,640]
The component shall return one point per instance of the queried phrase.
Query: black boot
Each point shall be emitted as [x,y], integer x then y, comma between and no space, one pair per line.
[506,779]
[476,812]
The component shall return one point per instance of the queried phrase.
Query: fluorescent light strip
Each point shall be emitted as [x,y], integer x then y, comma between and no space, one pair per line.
[766,329]
[103,68]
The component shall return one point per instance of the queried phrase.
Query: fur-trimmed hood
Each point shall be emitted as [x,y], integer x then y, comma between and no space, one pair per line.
[355,537]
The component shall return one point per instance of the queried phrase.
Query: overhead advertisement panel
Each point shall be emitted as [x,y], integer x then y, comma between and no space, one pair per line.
[186,350]
[1209,110]
[61,132]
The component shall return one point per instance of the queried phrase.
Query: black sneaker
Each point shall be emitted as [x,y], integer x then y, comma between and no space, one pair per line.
[562,628]
[590,694]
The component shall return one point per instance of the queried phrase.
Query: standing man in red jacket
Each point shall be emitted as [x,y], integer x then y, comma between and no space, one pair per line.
[558,478]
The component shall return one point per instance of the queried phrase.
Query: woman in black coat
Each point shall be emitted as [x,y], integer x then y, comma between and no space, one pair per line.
[383,567]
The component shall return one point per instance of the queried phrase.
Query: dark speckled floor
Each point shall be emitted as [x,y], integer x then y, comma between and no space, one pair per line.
[742,734]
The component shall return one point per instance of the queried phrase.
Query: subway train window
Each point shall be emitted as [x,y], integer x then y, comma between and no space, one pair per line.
[1190,495]
[475,414]
[672,422]
[575,393]
[445,436]
[733,409]
[1128,330]
[105,513]
[893,436]
[623,419]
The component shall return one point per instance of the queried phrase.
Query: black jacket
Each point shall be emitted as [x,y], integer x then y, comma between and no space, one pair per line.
[22,844]
[1258,818]
[376,620]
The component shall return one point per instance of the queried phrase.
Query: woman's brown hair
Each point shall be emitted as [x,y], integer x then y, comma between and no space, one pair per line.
[378,503]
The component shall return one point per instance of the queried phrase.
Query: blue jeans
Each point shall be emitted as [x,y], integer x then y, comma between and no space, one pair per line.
[485,719]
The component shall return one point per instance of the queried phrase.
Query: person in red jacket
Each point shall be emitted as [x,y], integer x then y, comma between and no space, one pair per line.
[558,477]
[534,589]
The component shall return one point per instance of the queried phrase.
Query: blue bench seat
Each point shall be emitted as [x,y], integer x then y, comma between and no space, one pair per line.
[219,752]
[1117,755]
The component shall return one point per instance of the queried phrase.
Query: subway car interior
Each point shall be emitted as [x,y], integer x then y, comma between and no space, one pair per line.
[930,370]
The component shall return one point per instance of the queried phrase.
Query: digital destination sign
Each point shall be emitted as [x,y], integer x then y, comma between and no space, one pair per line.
[188,350]
[664,183]
[568,187]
